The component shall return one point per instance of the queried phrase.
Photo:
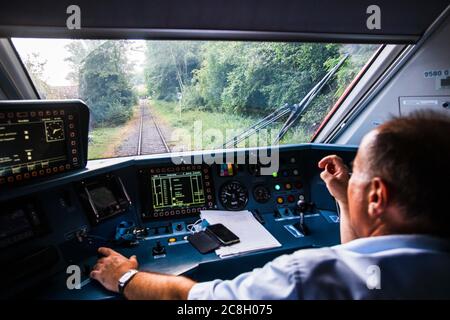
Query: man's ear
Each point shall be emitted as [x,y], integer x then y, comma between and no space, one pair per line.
[378,197]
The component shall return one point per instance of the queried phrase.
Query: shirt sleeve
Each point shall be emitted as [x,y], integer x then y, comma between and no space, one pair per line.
[276,280]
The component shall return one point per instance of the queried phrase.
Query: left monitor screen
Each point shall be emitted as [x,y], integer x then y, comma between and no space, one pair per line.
[37,143]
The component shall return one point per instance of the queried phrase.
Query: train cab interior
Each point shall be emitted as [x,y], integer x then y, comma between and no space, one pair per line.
[134,124]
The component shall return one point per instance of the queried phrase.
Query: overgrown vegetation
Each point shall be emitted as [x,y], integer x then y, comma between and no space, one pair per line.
[250,79]
[225,84]
[101,70]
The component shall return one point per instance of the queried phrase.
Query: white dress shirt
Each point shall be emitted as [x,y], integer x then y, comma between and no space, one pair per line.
[384,267]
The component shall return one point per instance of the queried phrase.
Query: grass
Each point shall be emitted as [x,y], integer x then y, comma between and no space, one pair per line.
[225,126]
[216,129]
[103,141]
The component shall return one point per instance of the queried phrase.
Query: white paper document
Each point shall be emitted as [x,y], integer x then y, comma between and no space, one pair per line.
[253,236]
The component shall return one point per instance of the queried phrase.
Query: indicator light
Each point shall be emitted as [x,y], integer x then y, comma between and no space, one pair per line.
[280,200]
[277,187]
[288,186]
[291,198]
[274,174]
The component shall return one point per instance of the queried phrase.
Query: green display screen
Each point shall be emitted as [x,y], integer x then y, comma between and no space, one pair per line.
[174,190]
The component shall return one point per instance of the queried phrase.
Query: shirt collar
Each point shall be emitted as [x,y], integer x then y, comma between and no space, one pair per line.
[389,242]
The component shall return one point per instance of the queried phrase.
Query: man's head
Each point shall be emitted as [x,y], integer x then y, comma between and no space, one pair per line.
[401,176]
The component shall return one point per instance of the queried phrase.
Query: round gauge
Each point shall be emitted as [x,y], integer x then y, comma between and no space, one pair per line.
[54,130]
[233,196]
[261,194]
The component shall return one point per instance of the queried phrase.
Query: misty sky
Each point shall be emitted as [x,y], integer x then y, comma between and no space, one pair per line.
[54,52]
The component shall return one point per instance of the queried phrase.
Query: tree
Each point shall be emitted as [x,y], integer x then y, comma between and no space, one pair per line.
[169,66]
[35,65]
[78,51]
[104,84]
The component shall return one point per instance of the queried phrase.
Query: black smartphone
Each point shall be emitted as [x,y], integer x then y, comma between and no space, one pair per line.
[223,234]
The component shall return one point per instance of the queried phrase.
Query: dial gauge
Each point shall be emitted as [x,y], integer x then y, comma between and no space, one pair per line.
[54,130]
[261,194]
[233,196]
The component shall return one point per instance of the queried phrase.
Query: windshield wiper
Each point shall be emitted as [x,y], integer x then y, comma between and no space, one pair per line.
[295,112]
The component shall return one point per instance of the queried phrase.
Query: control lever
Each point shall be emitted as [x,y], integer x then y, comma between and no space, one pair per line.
[301,226]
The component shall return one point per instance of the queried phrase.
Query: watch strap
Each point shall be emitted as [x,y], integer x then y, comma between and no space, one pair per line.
[123,283]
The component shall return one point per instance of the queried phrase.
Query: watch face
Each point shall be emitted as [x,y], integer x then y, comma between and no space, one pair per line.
[54,130]
[127,276]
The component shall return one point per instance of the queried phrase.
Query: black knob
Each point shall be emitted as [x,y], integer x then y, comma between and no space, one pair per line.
[158,249]
[302,205]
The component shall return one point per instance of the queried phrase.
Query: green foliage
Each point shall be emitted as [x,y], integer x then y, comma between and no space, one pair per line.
[252,79]
[104,84]
[169,66]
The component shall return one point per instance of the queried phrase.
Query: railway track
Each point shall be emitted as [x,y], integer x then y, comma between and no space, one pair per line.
[150,139]
[143,136]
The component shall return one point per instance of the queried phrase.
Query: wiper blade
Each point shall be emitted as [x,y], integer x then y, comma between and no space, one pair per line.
[295,111]
[300,108]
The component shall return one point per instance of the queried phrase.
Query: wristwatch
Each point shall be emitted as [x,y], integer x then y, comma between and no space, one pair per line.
[126,278]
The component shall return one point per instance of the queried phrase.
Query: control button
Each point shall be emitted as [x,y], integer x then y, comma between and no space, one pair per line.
[295,172]
[292,160]
[288,186]
[172,240]
[290,198]
[10,179]
[280,200]
[277,187]
[285,173]
[158,249]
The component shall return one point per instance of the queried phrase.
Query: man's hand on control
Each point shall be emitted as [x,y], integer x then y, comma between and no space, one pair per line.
[111,267]
[336,176]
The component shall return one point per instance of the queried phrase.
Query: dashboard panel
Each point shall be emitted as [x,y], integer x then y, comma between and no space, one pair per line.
[58,209]
[40,139]
[62,222]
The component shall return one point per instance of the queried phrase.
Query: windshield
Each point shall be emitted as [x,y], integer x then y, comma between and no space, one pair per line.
[149,97]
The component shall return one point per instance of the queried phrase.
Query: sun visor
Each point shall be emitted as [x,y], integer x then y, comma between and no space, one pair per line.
[387,21]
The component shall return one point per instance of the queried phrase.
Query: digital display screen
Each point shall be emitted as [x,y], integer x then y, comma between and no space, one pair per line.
[19,221]
[37,142]
[14,223]
[181,189]
[103,198]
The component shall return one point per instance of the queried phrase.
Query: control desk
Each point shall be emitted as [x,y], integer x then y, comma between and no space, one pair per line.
[48,226]
[57,208]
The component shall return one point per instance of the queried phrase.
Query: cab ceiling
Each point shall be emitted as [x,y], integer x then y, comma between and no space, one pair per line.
[402,21]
